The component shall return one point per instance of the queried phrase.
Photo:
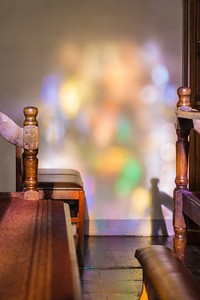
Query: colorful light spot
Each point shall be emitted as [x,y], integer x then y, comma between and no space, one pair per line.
[50,89]
[70,99]
[129,177]
[124,130]
[169,94]
[111,161]
[160,75]
[140,201]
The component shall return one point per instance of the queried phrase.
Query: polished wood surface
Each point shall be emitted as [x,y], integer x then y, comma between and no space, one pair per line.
[165,277]
[38,259]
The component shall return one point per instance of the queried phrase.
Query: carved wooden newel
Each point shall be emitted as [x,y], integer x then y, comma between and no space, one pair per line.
[30,144]
[183,127]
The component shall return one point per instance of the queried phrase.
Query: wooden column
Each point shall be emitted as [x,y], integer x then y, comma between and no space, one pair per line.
[30,144]
[183,128]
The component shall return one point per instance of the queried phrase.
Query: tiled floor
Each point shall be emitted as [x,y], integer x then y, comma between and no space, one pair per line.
[111,271]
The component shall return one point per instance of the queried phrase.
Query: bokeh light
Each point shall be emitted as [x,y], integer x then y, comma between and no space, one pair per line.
[151,53]
[138,207]
[149,94]
[160,75]
[169,94]
[50,89]
[129,177]
[70,99]
[117,115]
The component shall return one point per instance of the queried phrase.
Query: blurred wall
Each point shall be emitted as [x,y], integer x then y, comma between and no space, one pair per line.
[104,76]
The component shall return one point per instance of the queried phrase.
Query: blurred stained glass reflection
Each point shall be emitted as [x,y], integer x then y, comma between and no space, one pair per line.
[110,110]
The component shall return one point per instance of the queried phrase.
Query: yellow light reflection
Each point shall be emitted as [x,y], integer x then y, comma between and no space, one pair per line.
[140,201]
[111,161]
[70,99]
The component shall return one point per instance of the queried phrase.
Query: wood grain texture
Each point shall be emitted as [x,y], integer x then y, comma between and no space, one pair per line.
[35,252]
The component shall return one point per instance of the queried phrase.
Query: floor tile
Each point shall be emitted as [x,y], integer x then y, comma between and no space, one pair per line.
[94,296]
[121,297]
[124,275]
[90,274]
[120,287]
[104,261]
[92,286]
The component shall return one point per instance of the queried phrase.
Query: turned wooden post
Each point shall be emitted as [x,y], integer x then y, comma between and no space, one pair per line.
[183,128]
[30,144]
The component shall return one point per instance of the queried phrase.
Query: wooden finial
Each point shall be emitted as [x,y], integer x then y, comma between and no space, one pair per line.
[184,97]
[30,113]
[30,139]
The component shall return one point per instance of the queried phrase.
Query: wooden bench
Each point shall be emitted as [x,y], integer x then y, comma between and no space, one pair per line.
[165,276]
[55,184]
[37,249]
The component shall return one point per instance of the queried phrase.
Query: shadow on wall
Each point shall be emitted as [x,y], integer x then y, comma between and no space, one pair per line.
[159,199]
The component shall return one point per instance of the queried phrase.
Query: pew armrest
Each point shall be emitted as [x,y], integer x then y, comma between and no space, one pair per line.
[165,276]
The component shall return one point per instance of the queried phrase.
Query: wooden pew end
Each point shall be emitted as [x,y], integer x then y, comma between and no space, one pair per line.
[165,276]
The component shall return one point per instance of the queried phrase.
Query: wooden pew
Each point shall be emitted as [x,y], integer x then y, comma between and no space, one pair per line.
[165,277]
[55,184]
[37,250]
[164,274]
